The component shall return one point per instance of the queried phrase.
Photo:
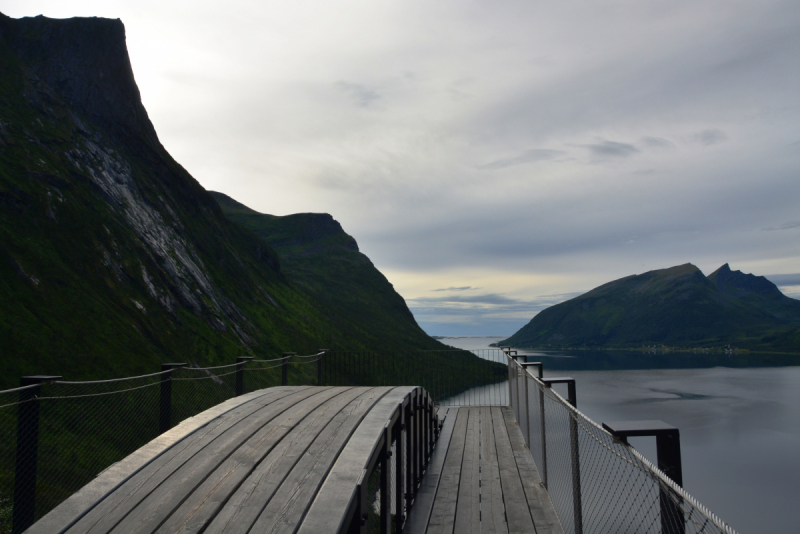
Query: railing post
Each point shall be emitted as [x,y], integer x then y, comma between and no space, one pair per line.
[399,497]
[165,420]
[27,452]
[577,500]
[240,361]
[409,433]
[322,354]
[668,453]
[386,502]
[542,422]
[285,368]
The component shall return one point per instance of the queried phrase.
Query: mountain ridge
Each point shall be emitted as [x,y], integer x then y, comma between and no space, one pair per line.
[113,258]
[674,306]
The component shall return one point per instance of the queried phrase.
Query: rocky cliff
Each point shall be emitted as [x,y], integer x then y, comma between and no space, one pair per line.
[112,257]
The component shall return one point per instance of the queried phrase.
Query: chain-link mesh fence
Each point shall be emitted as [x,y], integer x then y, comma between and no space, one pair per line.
[598,483]
[72,431]
[452,377]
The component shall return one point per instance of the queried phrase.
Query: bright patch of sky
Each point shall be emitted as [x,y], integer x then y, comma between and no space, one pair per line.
[491,158]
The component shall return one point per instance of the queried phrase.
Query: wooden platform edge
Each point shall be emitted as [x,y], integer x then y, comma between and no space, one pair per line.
[63,516]
[327,512]
[420,513]
[543,513]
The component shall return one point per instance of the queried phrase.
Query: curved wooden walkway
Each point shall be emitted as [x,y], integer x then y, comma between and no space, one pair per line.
[284,459]
[302,459]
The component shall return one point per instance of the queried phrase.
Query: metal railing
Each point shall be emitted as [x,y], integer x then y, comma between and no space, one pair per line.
[596,480]
[57,435]
[452,377]
[391,479]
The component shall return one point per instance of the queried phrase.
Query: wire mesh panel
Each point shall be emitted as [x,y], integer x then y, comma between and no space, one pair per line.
[9,408]
[597,483]
[196,389]
[453,377]
[86,426]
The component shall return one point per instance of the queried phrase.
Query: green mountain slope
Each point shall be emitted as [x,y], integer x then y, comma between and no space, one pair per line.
[675,306]
[321,260]
[112,257]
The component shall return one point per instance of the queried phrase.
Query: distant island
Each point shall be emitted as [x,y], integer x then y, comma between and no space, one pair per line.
[677,307]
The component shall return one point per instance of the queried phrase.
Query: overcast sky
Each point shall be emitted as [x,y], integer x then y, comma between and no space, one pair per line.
[492,158]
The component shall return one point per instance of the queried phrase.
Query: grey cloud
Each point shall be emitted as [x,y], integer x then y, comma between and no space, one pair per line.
[361,95]
[491,298]
[657,142]
[785,226]
[529,156]
[710,137]
[612,148]
[464,288]
[784,279]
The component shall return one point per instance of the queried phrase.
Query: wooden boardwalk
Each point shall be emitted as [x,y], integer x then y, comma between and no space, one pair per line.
[482,478]
[299,459]
[285,459]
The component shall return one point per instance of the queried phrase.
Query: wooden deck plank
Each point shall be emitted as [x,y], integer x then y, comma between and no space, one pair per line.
[443,514]
[468,509]
[306,471]
[206,501]
[420,513]
[517,511]
[157,506]
[114,507]
[327,511]
[493,511]
[541,506]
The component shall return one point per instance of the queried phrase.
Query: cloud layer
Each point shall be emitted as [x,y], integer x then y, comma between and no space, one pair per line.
[527,149]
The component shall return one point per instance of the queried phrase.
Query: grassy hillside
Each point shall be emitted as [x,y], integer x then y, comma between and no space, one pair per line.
[675,306]
[321,260]
[112,257]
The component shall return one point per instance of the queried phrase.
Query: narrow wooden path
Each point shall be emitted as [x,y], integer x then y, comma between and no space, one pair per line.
[482,479]
[300,459]
[284,459]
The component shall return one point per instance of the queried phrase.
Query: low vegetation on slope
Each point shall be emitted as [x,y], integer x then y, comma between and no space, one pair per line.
[114,259]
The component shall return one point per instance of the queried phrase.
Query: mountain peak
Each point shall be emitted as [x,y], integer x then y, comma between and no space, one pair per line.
[85,61]
[739,283]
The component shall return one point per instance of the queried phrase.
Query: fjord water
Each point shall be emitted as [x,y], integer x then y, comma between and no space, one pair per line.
[738,415]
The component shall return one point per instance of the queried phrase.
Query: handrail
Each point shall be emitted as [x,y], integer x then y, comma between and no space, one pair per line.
[672,494]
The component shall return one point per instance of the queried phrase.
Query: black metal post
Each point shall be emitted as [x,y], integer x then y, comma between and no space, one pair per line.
[668,453]
[542,424]
[409,432]
[399,427]
[285,368]
[386,502]
[165,420]
[240,361]
[577,500]
[322,354]
[27,452]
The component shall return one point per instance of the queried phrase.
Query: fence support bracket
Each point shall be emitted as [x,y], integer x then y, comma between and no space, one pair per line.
[668,452]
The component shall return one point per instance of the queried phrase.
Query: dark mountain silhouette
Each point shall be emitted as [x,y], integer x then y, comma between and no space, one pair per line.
[113,258]
[675,306]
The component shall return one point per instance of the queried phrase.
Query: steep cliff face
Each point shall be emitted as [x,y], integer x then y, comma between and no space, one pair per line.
[676,306]
[112,257]
[323,261]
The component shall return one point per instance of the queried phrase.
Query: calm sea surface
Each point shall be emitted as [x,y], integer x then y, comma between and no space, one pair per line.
[739,418]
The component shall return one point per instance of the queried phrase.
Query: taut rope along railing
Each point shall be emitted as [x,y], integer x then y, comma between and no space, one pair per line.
[597,481]
[57,435]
